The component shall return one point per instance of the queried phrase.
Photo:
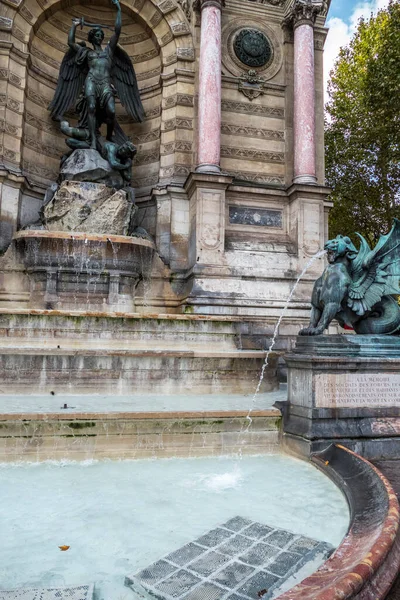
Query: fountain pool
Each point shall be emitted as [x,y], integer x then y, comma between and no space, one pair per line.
[120,516]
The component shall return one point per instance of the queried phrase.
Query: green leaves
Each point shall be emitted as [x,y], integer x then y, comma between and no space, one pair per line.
[362,130]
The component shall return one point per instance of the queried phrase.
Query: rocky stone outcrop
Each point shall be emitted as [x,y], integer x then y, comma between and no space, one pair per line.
[89,207]
[89,165]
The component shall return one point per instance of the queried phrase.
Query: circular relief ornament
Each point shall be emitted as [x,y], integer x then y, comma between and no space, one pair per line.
[249,44]
[252,48]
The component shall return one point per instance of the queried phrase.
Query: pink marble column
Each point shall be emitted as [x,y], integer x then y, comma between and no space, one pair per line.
[209,133]
[303,17]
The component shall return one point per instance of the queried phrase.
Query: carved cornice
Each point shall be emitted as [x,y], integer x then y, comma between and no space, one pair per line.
[198,5]
[305,12]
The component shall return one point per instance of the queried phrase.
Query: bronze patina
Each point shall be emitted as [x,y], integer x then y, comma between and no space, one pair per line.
[359,288]
[93,77]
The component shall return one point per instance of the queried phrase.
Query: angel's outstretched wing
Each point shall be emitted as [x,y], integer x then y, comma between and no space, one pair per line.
[73,71]
[376,272]
[124,79]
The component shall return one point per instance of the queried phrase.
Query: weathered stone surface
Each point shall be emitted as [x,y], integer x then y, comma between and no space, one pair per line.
[89,165]
[344,389]
[90,208]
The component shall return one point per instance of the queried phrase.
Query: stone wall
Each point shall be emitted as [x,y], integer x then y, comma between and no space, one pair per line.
[233,243]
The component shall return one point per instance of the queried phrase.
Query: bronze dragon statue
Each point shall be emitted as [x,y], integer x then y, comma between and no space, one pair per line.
[359,288]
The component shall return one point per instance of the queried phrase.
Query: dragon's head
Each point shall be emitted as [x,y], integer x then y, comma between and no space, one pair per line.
[340,246]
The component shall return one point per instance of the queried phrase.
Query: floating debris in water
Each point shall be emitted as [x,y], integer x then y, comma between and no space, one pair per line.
[64,548]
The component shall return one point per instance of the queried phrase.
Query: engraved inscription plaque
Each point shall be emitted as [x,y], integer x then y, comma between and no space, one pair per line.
[357,390]
[261,217]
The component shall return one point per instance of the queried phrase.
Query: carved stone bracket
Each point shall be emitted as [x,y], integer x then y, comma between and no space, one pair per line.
[186,6]
[305,11]
[251,85]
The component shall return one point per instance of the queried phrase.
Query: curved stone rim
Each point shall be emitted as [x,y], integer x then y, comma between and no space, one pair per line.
[92,237]
[368,559]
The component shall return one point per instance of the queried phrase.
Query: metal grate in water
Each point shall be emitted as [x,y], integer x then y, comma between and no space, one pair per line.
[239,560]
[81,592]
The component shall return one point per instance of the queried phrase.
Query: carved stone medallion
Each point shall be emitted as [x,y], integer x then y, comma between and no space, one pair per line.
[252,48]
[252,44]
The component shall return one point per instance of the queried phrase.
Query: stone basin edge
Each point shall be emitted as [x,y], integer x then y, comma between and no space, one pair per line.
[367,561]
[82,236]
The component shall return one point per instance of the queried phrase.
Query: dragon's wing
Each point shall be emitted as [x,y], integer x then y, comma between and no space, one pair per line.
[376,272]
[73,71]
[124,79]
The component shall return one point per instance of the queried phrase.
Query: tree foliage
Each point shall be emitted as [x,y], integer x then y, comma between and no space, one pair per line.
[362,133]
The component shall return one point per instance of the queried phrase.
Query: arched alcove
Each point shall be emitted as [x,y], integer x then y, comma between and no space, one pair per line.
[156,37]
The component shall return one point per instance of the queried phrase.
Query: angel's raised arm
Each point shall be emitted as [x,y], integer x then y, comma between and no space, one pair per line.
[71,35]
[118,25]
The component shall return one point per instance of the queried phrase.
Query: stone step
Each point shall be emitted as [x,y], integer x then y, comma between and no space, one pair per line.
[186,330]
[128,436]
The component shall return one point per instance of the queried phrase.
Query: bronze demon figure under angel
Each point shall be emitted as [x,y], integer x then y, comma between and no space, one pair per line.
[94,77]
[359,288]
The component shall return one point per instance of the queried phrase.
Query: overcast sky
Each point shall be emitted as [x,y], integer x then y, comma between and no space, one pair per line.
[342,22]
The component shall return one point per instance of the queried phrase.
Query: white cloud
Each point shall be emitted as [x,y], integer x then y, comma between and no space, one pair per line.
[340,33]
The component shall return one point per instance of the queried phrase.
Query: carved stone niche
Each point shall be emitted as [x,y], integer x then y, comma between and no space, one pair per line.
[249,44]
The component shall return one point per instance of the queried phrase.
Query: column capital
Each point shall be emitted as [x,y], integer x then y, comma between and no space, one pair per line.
[305,12]
[200,4]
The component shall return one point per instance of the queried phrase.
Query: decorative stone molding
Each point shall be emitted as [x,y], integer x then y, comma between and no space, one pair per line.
[156,19]
[254,109]
[166,39]
[45,58]
[198,5]
[13,3]
[186,6]
[14,105]
[305,11]
[252,154]
[26,14]
[30,168]
[256,177]
[252,132]
[178,99]
[180,28]
[181,170]
[6,24]
[20,35]
[167,6]
[146,157]
[177,123]
[150,136]
[319,39]
[149,74]
[185,54]
[272,2]
[46,149]
[230,59]
[8,128]
[150,114]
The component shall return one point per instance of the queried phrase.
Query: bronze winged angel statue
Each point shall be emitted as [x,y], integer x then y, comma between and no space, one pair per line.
[359,288]
[94,76]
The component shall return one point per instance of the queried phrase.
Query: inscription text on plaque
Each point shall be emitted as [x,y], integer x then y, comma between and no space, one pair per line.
[353,390]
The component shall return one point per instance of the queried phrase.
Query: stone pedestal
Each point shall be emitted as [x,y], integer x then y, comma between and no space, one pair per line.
[344,389]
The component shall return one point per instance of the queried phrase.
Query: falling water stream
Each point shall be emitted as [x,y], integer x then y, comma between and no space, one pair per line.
[276,330]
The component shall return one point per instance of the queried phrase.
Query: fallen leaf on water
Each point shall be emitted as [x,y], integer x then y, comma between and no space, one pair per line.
[63,548]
